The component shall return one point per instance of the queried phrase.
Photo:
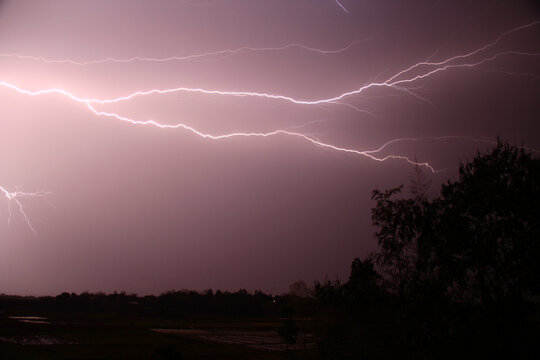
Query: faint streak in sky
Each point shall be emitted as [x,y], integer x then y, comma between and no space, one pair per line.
[341,6]
[185,57]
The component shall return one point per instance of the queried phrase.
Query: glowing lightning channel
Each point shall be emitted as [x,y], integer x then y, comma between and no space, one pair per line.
[14,198]
[466,55]
[392,82]
[258,134]
[436,138]
[89,102]
[396,84]
[389,84]
[342,7]
[397,81]
[228,52]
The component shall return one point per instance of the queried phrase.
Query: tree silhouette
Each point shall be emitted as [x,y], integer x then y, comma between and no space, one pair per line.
[362,290]
[481,235]
[300,288]
[468,259]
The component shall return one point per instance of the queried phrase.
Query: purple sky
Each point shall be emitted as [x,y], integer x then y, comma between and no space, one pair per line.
[144,209]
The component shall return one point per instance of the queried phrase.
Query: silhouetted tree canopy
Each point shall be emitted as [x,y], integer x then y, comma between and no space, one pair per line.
[469,255]
[478,241]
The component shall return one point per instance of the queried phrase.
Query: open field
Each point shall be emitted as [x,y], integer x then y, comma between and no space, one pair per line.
[113,337]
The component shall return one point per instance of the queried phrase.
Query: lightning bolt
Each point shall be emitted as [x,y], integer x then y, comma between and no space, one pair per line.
[226,52]
[258,134]
[14,199]
[435,138]
[466,55]
[390,83]
[395,81]
[399,81]
[89,105]
[342,7]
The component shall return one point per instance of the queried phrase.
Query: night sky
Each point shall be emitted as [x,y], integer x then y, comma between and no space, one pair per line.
[258,165]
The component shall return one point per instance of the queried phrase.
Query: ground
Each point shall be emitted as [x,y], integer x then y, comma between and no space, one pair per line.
[106,336]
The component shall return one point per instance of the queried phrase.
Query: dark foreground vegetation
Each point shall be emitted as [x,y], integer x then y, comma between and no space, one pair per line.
[456,276]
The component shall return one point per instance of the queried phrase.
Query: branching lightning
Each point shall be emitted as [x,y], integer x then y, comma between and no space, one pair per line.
[399,81]
[258,134]
[389,83]
[210,54]
[13,199]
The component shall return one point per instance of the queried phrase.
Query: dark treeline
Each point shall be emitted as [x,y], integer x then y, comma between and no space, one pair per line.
[183,304]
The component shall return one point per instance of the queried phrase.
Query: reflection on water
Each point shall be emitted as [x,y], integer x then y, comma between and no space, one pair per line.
[35,340]
[261,340]
[31,319]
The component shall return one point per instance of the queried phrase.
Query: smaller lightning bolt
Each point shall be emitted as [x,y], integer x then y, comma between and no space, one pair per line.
[227,52]
[312,140]
[14,199]
[342,7]
[512,73]
[434,138]
[466,55]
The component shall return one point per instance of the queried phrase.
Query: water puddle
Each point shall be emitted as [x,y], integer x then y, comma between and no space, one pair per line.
[261,340]
[35,340]
[30,319]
